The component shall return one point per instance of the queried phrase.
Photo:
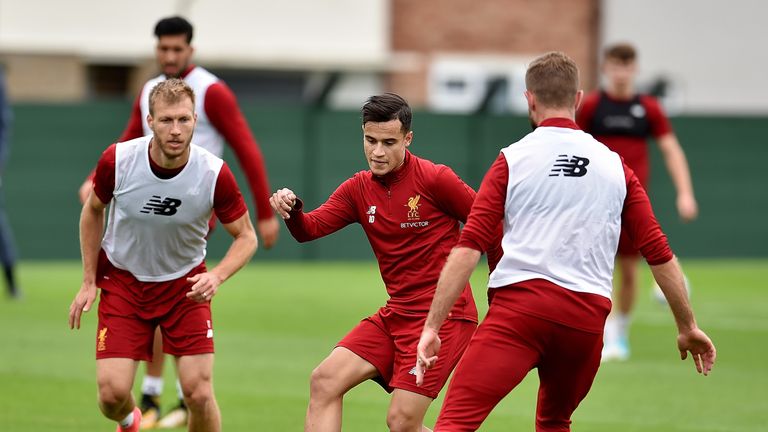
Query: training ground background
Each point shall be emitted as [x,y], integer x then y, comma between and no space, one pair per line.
[274,322]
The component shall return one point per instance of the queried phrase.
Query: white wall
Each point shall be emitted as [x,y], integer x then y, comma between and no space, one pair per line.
[714,51]
[264,33]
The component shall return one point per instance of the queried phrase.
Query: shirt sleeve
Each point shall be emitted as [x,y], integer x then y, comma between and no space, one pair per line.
[456,198]
[658,120]
[225,115]
[586,111]
[228,202]
[640,223]
[483,229]
[336,213]
[452,195]
[104,175]
[134,128]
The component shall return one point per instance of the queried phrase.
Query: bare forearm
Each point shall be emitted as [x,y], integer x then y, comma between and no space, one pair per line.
[458,268]
[91,229]
[677,164]
[239,253]
[670,278]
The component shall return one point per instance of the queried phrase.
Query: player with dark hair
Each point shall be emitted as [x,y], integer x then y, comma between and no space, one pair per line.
[623,120]
[174,26]
[410,210]
[563,197]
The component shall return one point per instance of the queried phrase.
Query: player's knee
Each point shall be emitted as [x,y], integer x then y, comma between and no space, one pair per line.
[112,397]
[198,395]
[322,384]
[197,391]
[400,419]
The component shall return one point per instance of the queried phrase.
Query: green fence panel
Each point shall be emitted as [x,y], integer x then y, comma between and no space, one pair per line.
[313,151]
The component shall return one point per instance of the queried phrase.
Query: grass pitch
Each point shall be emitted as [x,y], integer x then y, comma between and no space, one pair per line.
[275,321]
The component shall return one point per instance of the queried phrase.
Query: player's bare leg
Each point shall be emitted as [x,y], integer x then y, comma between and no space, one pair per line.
[152,386]
[330,380]
[627,292]
[114,377]
[617,327]
[196,377]
[155,367]
[406,411]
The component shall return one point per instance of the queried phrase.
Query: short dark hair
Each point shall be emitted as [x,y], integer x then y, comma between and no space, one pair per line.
[173,26]
[623,52]
[385,107]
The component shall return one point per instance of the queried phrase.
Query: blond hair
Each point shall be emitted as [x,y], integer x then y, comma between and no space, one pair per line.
[172,90]
[554,79]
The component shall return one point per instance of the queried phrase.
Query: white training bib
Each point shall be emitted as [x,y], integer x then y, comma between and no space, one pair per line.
[157,227]
[562,214]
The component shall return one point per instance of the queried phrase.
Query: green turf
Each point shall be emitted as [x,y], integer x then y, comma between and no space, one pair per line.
[274,322]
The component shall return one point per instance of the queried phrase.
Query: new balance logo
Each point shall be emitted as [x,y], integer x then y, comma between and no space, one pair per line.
[569,166]
[166,207]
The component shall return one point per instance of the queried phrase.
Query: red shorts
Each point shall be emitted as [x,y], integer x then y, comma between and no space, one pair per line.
[506,346]
[388,340]
[130,310]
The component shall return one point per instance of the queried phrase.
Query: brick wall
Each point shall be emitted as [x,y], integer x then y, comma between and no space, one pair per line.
[423,28]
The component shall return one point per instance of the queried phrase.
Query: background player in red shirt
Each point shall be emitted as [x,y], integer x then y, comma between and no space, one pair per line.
[219,120]
[410,210]
[149,262]
[623,120]
[563,198]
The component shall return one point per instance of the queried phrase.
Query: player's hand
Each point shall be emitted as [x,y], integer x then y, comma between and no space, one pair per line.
[701,348]
[204,286]
[426,353]
[85,190]
[687,207]
[282,202]
[82,303]
[269,230]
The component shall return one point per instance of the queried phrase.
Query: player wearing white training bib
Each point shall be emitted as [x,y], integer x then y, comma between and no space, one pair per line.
[149,264]
[563,198]
[170,214]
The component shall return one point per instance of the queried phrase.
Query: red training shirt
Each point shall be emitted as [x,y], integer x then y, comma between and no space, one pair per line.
[625,126]
[411,217]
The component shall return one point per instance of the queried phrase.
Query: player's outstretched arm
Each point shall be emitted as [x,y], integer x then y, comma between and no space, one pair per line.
[91,229]
[690,338]
[205,285]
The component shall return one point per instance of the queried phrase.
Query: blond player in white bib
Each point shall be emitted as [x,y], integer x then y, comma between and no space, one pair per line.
[150,261]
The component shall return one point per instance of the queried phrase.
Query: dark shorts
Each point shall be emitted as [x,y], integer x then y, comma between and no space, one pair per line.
[388,340]
[506,346]
[130,310]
